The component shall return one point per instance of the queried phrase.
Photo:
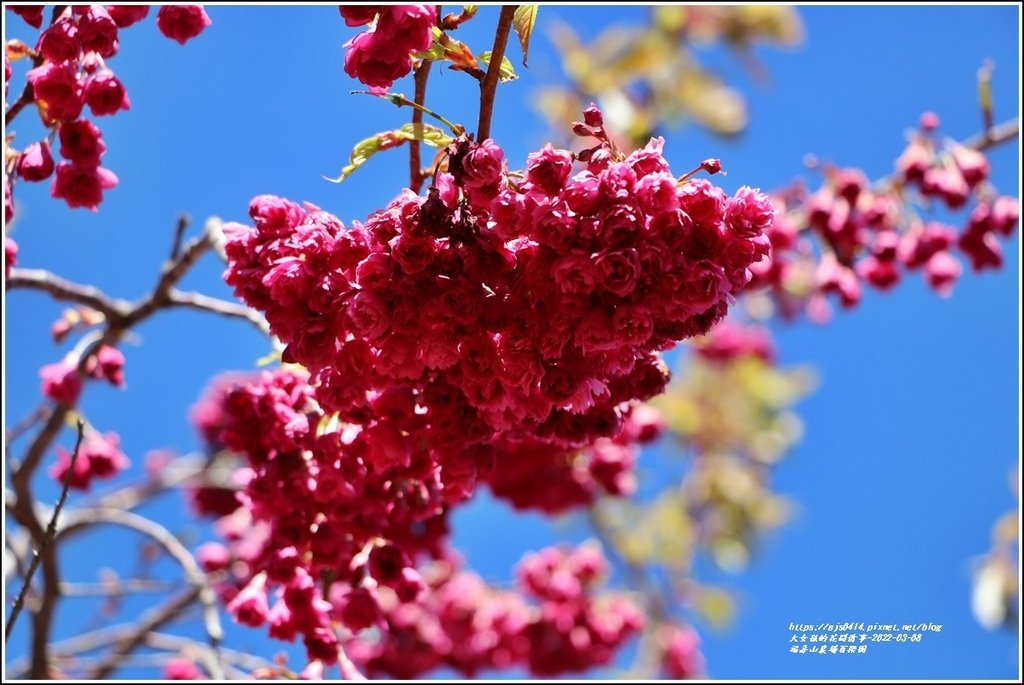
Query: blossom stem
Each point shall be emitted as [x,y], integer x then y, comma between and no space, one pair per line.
[51,530]
[489,85]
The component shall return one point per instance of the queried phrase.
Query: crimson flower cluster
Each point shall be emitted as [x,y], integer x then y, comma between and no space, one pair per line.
[874,235]
[681,658]
[500,319]
[383,53]
[525,310]
[534,474]
[100,456]
[552,624]
[731,340]
[70,74]
[308,509]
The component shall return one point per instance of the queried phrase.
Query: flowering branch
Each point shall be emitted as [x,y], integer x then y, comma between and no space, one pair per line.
[51,530]
[27,96]
[489,85]
[171,273]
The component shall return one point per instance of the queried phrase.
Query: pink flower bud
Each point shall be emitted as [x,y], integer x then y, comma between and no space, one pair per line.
[35,163]
[81,142]
[359,15]
[61,382]
[105,94]
[126,15]
[80,185]
[58,88]
[98,31]
[182,22]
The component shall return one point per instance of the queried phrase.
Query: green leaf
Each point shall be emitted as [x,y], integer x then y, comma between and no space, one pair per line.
[269,358]
[523,20]
[507,71]
[368,147]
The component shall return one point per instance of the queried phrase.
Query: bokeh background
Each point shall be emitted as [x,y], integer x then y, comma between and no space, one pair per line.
[911,438]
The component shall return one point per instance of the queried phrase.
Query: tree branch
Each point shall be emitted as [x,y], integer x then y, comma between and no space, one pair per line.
[51,530]
[205,303]
[172,272]
[421,75]
[179,234]
[996,135]
[117,588]
[136,636]
[163,537]
[489,85]
[27,96]
[67,291]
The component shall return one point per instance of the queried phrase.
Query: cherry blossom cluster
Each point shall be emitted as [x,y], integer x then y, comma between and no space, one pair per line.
[503,318]
[533,474]
[874,235]
[383,53]
[681,658]
[491,308]
[731,340]
[100,456]
[308,508]
[71,74]
[554,623]
[62,383]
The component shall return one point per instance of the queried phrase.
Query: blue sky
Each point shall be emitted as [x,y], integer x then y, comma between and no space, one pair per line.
[910,439]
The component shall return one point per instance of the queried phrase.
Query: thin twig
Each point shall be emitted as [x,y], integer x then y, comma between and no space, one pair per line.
[179,234]
[489,85]
[23,426]
[51,530]
[421,76]
[165,539]
[205,303]
[136,637]
[21,479]
[172,475]
[117,588]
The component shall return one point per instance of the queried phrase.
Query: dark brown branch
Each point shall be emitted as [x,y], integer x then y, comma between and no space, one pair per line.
[51,530]
[26,98]
[67,291]
[179,234]
[415,174]
[489,85]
